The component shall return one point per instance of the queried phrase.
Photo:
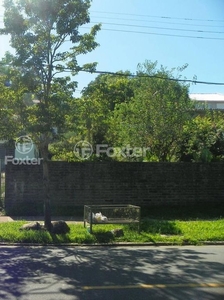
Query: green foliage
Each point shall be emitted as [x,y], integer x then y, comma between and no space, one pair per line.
[147,111]
[155,116]
[151,111]
[97,104]
[203,138]
[63,150]
[10,101]
[39,30]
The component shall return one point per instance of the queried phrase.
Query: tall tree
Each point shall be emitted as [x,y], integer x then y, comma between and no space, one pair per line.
[98,102]
[155,116]
[47,40]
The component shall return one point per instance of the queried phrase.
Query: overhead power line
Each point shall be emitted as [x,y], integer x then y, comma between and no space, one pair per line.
[156,27]
[148,21]
[149,16]
[156,33]
[159,17]
[139,76]
[153,21]
[153,76]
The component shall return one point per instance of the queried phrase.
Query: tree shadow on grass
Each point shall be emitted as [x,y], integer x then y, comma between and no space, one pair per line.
[159,227]
[104,236]
[60,238]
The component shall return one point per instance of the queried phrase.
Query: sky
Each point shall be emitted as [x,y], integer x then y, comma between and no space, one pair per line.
[172,32]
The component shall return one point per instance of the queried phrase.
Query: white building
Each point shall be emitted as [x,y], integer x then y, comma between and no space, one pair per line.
[211,101]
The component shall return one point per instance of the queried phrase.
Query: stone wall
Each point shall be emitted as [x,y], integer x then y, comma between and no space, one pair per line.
[145,184]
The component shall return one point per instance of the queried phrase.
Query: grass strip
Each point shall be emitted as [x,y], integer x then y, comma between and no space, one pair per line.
[175,232]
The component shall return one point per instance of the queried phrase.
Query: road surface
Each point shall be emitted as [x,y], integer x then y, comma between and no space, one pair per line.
[72,273]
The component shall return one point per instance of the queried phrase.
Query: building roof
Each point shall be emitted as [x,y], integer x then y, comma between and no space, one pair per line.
[207,97]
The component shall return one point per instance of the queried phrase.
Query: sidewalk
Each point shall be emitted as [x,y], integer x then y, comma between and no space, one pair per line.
[5,219]
[40,219]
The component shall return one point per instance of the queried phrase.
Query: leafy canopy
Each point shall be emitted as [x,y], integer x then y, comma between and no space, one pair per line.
[47,39]
[155,115]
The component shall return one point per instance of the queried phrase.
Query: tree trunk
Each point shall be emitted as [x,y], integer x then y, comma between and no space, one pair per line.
[46,185]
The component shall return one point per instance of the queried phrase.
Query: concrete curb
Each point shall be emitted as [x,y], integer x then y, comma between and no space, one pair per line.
[205,243]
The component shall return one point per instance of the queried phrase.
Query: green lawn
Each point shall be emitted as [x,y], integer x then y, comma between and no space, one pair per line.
[171,231]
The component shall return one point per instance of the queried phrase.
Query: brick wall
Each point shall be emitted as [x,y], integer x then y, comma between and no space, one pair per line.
[145,184]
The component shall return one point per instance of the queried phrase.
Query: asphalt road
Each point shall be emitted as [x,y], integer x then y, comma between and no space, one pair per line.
[71,273]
